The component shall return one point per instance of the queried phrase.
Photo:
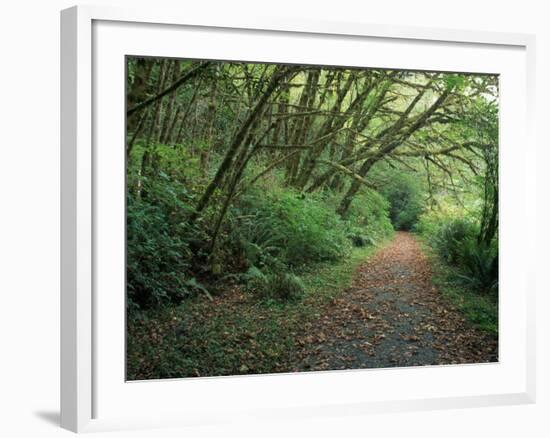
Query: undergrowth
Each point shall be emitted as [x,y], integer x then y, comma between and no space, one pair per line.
[480,310]
[269,235]
[237,333]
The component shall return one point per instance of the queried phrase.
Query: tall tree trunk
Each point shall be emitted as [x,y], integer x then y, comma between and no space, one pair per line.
[170,107]
[137,91]
[137,131]
[146,159]
[296,126]
[209,134]
[183,119]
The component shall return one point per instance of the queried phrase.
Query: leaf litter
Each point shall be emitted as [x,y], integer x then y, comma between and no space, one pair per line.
[393,316]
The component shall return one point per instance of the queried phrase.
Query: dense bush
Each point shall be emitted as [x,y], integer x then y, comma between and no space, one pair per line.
[449,238]
[285,286]
[269,234]
[158,244]
[284,228]
[404,194]
[456,241]
[479,265]
[368,219]
[282,286]
[280,230]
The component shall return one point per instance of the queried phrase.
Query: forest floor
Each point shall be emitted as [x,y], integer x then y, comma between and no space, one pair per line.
[392,316]
[379,308]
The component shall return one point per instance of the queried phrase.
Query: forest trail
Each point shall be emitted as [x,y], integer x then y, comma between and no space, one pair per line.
[392,316]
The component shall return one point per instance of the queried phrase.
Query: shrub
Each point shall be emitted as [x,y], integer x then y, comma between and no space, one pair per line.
[273,285]
[449,238]
[282,228]
[479,265]
[285,286]
[155,258]
[404,194]
[455,241]
[359,239]
[255,279]
[368,219]
[158,252]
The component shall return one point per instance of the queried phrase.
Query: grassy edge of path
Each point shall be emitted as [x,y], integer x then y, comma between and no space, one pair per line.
[327,280]
[237,333]
[479,310]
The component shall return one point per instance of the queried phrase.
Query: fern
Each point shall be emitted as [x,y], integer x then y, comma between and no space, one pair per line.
[479,266]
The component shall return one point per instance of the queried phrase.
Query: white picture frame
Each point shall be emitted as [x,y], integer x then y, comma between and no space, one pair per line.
[92,42]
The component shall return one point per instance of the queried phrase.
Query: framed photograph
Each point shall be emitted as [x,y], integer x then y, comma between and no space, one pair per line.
[275,218]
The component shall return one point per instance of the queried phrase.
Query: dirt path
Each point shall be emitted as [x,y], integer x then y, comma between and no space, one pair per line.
[392,316]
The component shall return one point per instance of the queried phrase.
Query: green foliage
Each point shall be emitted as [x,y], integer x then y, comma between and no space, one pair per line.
[404,193]
[197,338]
[455,240]
[449,239]
[158,245]
[481,310]
[479,265]
[254,278]
[273,285]
[240,201]
[285,286]
[282,228]
[368,219]
[456,81]
[269,233]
